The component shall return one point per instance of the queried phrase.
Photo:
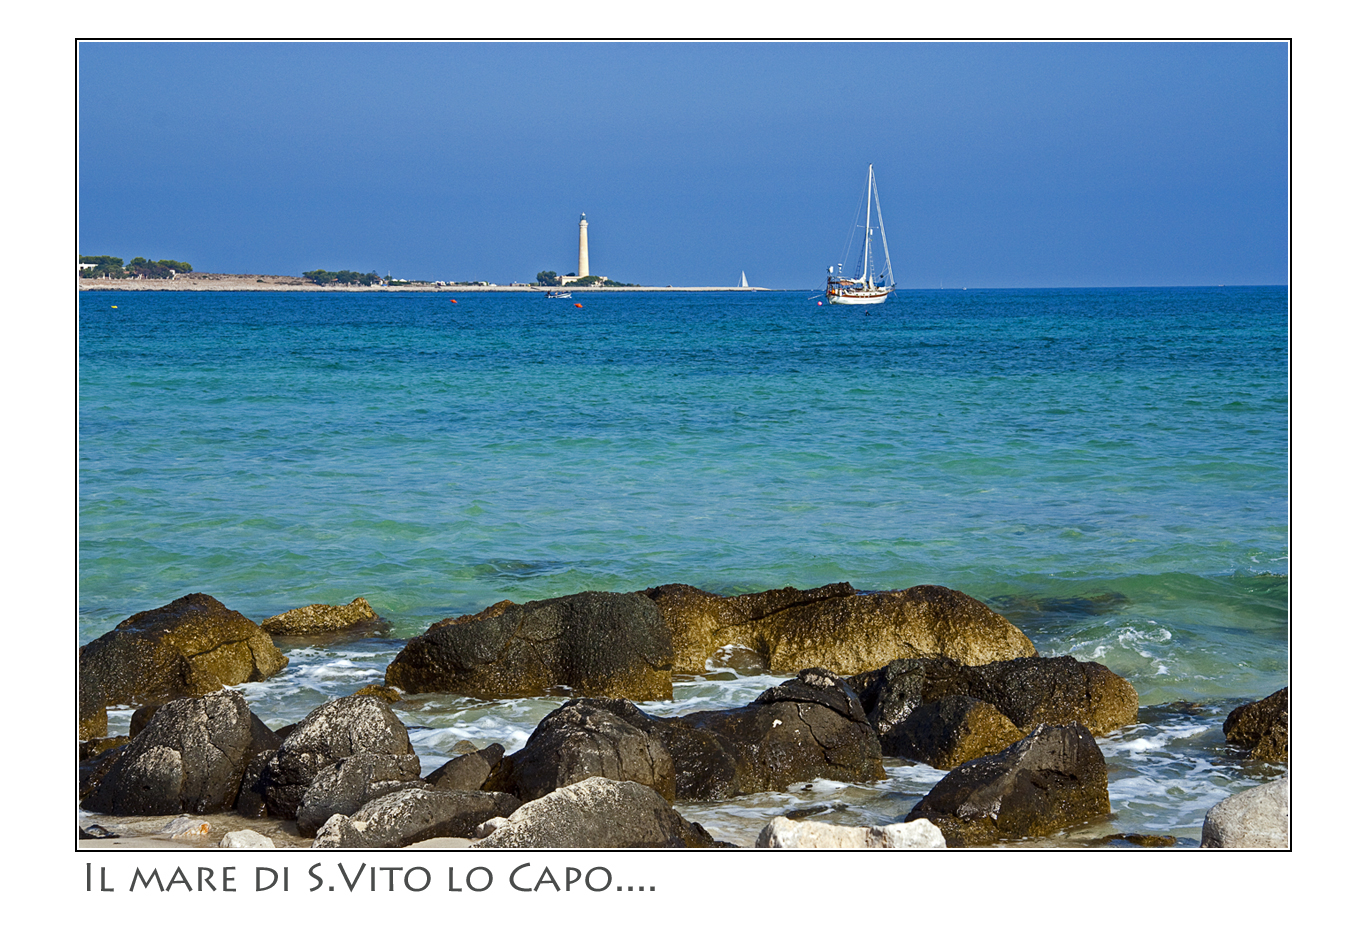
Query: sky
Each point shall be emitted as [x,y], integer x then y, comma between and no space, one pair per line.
[998,164]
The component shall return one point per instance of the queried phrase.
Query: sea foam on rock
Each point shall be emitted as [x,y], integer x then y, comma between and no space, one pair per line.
[190,647]
[1054,777]
[597,813]
[599,644]
[836,627]
[190,758]
[809,727]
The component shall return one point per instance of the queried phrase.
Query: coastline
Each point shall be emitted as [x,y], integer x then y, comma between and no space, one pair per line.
[196,281]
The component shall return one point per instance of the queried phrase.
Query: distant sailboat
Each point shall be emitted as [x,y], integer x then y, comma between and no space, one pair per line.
[864,290]
[743,285]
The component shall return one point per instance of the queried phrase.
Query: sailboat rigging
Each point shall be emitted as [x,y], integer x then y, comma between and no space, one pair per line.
[865,290]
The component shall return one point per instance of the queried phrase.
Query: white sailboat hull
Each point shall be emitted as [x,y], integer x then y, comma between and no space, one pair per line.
[859,297]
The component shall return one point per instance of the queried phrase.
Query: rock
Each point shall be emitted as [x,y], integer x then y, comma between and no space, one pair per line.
[387,693]
[251,801]
[597,813]
[468,771]
[92,718]
[334,731]
[1029,691]
[950,732]
[588,737]
[346,786]
[1053,778]
[245,838]
[92,769]
[808,727]
[189,758]
[1258,817]
[141,716]
[1261,726]
[413,814]
[321,619]
[191,647]
[183,826]
[597,644]
[784,832]
[835,626]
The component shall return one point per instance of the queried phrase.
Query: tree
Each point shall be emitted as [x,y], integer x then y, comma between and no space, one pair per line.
[547,278]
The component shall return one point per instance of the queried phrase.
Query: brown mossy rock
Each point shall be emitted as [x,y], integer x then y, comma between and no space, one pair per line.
[587,737]
[950,732]
[597,644]
[384,693]
[334,731]
[836,627]
[92,718]
[598,813]
[1053,778]
[1029,691]
[1261,726]
[190,647]
[320,618]
[189,758]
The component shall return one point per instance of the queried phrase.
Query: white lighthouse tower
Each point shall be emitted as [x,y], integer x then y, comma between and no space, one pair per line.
[584,247]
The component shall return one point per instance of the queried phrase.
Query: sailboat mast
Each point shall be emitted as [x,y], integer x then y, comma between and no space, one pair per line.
[869,193]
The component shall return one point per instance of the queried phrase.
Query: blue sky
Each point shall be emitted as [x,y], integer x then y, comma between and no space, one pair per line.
[999,164]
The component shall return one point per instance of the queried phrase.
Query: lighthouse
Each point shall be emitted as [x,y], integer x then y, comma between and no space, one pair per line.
[584,247]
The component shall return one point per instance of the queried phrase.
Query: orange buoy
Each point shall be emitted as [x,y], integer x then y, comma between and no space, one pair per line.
[453,301]
[579,305]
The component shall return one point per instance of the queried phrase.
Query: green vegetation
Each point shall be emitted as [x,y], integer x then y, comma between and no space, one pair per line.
[347,278]
[547,278]
[110,266]
[595,281]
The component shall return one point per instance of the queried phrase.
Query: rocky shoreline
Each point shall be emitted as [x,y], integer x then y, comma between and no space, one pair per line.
[926,675]
[276,283]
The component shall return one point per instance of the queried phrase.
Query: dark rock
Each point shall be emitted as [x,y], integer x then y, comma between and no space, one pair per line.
[346,786]
[413,814]
[1053,778]
[189,758]
[598,813]
[92,768]
[468,771]
[321,619]
[1262,727]
[191,647]
[141,716]
[805,728]
[1029,691]
[332,732]
[251,801]
[950,732]
[588,737]
[92,718]
[835,626]
[597,644]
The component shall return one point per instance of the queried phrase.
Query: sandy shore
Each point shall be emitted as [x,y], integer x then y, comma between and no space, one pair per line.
[199,281]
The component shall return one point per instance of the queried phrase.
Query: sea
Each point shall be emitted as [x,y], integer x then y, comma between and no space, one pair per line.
[1107,468]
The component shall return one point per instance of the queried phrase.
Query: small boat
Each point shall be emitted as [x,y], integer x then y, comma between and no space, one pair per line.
[558,294]
[865,290]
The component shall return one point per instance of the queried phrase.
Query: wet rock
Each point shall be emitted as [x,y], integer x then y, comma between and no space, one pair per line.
[1053,778]
[251,801]
[93,767]
[786,833]
[92,718]
[190,647]
[835,626]
[588,737]
[321,619]
[189,758]
[346,786]
[597,813]
[386,693]
[597,644]
[413,814]
[950,732]
[1262,727]
[470,770]
[808,727]
[332,732]
[1029,691]
[1258,817]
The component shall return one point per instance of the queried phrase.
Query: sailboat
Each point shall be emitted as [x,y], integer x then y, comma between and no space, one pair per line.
[743,285]
[865,290]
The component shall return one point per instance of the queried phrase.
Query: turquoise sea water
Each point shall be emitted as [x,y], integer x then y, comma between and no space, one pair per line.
[1107,468]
